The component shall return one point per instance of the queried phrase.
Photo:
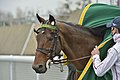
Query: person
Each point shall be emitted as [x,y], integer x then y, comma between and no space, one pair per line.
[112,60]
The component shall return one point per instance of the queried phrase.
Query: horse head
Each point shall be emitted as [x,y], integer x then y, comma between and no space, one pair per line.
[48,43]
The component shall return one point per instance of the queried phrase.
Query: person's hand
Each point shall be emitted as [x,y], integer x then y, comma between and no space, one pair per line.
[95,51]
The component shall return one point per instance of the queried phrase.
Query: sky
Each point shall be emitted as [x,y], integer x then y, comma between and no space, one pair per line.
[42,5]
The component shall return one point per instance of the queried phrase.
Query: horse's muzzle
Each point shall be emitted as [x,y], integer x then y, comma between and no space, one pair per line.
[40,68]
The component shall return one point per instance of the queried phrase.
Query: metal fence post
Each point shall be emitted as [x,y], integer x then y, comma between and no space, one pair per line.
[11,69]
[37,77]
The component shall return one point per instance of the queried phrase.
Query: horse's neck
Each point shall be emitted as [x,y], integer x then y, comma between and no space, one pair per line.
[76,42]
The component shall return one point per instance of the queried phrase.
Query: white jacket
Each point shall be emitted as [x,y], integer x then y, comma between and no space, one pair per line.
[112,61]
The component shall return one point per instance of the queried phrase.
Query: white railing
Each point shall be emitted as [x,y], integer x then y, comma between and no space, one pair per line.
[11,58]
[15,61]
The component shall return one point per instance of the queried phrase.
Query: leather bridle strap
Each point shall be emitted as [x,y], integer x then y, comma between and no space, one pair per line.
[44,51]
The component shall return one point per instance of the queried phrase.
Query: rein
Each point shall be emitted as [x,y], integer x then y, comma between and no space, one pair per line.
[66,60]
[60,61]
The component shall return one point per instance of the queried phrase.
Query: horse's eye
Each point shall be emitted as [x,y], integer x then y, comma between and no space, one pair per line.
[52,33]
[51,38]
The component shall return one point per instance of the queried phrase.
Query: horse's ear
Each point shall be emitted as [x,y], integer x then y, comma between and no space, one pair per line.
[52,20]
[40,19]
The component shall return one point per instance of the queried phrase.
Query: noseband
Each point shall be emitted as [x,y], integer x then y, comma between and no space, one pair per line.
[51,52]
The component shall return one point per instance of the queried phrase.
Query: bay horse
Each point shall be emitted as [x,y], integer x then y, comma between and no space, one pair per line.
[75,41]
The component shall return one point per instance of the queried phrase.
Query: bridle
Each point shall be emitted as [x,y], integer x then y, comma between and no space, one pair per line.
[51,52]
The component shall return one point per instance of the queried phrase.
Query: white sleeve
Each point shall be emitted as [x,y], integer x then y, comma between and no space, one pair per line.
[101,67]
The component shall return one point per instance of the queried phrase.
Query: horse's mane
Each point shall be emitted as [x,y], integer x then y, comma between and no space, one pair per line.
[97,31]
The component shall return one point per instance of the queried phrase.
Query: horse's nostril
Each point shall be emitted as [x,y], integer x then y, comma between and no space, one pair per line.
[40,66]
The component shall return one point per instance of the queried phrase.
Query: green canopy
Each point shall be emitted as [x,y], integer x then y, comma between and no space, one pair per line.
[97,16]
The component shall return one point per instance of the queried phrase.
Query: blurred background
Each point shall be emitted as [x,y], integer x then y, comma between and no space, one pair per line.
[17,39]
